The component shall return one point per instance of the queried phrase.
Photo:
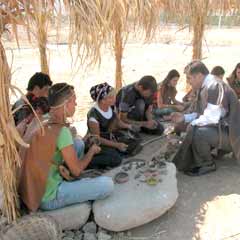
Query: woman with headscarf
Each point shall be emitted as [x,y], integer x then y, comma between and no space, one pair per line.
[104,122]
[42,184]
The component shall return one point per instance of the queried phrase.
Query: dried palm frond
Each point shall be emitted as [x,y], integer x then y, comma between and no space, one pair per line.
[195,13]
[9,157]
[92,24]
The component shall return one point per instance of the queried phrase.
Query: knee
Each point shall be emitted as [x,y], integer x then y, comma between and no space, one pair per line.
[199,136]
[160,128]
[106,186]
[79,146]
[115,158]
[79,143]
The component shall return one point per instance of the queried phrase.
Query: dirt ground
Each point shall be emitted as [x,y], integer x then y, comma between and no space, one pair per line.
[208,207]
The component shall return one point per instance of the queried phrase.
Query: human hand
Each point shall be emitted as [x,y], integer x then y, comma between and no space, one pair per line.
[179,107]
[73,131]
[122,147]
[134,128]
[177,117]
[95,149]
[151,124]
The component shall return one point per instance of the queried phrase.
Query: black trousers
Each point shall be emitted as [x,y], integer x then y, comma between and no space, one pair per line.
[107,158]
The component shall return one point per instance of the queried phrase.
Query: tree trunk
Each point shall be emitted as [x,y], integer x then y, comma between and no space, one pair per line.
[41,23]
[43,58]
[9,158]
[198,31]
[118,48]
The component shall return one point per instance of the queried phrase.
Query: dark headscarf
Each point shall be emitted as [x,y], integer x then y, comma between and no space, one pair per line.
[100,91]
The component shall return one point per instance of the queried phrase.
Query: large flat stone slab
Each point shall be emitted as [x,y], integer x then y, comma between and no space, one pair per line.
[135,203]
[72,217]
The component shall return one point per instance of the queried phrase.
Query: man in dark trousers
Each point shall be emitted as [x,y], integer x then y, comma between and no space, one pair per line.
[134,105]
[213,123]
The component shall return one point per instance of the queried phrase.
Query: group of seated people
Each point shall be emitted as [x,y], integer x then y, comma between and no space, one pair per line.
[50,175]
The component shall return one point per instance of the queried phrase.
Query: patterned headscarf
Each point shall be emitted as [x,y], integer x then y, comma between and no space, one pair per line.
[100,91]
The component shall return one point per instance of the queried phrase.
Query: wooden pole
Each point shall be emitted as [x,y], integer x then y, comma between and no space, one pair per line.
[118,49]
[198,31]
[42,42]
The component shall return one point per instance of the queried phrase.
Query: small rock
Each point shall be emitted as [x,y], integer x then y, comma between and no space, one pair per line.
[103,236]
[3,221]
[120,235]
[90,227]
[89,236]
[67,238]
[69,234]
[78,235]
[72,217]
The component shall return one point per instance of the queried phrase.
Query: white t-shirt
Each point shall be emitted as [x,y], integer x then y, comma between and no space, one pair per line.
[107,115]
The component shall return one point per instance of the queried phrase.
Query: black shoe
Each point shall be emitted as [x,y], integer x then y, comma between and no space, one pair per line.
[198,171]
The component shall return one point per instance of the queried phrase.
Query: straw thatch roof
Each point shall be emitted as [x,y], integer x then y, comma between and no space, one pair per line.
[195,13]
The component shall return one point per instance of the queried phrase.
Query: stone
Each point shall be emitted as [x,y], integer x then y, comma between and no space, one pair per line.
[71,217]
[69,234]
[135,203]
[89,236]
[90,227]
[78,236]
[103,236]
[67,238]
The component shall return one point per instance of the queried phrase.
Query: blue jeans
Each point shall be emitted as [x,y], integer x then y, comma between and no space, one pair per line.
[80,190]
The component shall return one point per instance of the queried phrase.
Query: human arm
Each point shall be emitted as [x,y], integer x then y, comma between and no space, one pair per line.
[65,145]
[94,129]
[147,124]
[75,165]
[211,115]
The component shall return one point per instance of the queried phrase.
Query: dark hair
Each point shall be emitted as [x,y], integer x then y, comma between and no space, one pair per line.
[198,67]
[41,103]
[148,83]
[188,66]
[172,74]
[218,71]
[58,93]
[234,73]
[40,80]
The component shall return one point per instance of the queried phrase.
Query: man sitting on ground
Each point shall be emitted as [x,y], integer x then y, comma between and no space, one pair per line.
[38,86]
[134,104]
[212,124]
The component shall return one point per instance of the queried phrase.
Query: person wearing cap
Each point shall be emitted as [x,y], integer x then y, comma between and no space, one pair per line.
[134,104]
[42,183]
[103,121]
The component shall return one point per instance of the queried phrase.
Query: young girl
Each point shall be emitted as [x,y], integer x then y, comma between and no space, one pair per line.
[41,183]
[166,95]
